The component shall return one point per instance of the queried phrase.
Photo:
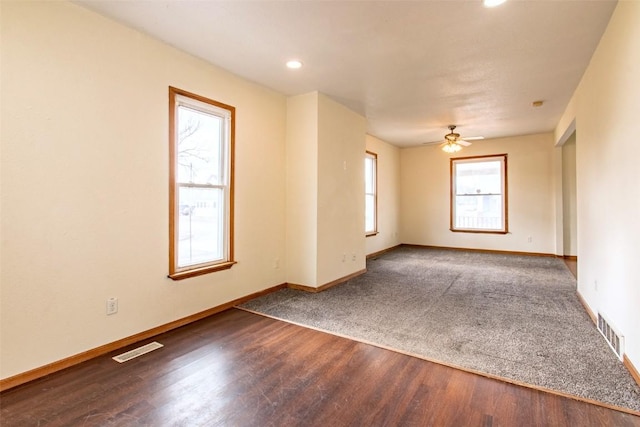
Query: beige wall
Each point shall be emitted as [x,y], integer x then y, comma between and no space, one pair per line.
[325,190]
[605,107]
[85,183]
[388,193]
[341,147]
[424,201]
[302,189]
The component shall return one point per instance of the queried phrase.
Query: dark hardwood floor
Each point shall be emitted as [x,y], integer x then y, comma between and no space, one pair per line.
[241,369]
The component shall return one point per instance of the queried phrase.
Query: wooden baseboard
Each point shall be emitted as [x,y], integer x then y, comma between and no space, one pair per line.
[625,360]
[486,251]
[42,371]
[569,257]
[326,285]
[378,253]
[59,365]
[591,314]
[632,369]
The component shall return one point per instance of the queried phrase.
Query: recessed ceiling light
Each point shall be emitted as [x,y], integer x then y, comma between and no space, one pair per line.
[294,64]
[537,103]
[492,3]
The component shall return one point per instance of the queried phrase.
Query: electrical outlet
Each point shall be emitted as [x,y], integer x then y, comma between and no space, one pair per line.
[529,239]
[276,263]
[353,257]
[112,305]
[344,257]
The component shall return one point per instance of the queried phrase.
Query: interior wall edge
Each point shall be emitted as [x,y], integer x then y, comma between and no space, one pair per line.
[314,289]
[383,251]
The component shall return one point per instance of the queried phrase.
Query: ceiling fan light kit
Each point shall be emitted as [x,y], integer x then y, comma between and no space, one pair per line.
[451,147]
[452,142]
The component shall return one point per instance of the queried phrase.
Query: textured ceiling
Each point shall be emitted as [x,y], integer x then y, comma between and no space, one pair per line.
[411,68]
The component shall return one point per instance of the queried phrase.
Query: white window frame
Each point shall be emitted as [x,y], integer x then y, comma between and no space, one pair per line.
[504,226]
[180,98]
[373,158]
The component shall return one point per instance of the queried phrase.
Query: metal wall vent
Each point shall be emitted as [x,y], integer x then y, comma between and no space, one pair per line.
[615,340]
[137,352]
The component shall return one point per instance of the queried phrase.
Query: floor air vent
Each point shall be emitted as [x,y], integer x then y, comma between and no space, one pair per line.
[615,340]
[137,352]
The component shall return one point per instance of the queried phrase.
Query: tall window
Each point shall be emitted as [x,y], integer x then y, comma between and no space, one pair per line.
[479,194]
[201,135]
[370,185]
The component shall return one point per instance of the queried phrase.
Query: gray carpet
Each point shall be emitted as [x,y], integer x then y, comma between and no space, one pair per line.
[516,317]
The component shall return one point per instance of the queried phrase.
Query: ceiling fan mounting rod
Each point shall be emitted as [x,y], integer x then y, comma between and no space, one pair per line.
[452,136]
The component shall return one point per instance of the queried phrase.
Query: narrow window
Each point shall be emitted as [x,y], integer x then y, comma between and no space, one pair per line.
[370,185]
[479,194]
[201,135]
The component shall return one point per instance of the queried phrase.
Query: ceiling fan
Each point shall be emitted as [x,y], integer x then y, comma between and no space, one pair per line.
[453,142]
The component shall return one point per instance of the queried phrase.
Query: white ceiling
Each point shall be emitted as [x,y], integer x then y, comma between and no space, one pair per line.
[411,68]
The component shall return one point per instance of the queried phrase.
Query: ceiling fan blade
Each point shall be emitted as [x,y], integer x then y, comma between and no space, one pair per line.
[433,142]
[451,137]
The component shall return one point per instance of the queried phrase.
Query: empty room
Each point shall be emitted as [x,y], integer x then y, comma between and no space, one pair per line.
[319,213]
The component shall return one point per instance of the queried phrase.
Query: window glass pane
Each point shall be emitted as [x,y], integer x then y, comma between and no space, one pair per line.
[370,219]
[479,177]
[200,225]
[479,212]
[200,142]
[370,192]
[479,187]
[369,182]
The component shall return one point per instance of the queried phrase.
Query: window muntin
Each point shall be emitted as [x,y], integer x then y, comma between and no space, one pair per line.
[371,190]
[201,185]
[479,194]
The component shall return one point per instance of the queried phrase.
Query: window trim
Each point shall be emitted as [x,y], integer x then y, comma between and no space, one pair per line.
[505,194]
[373,232]
[179,273]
